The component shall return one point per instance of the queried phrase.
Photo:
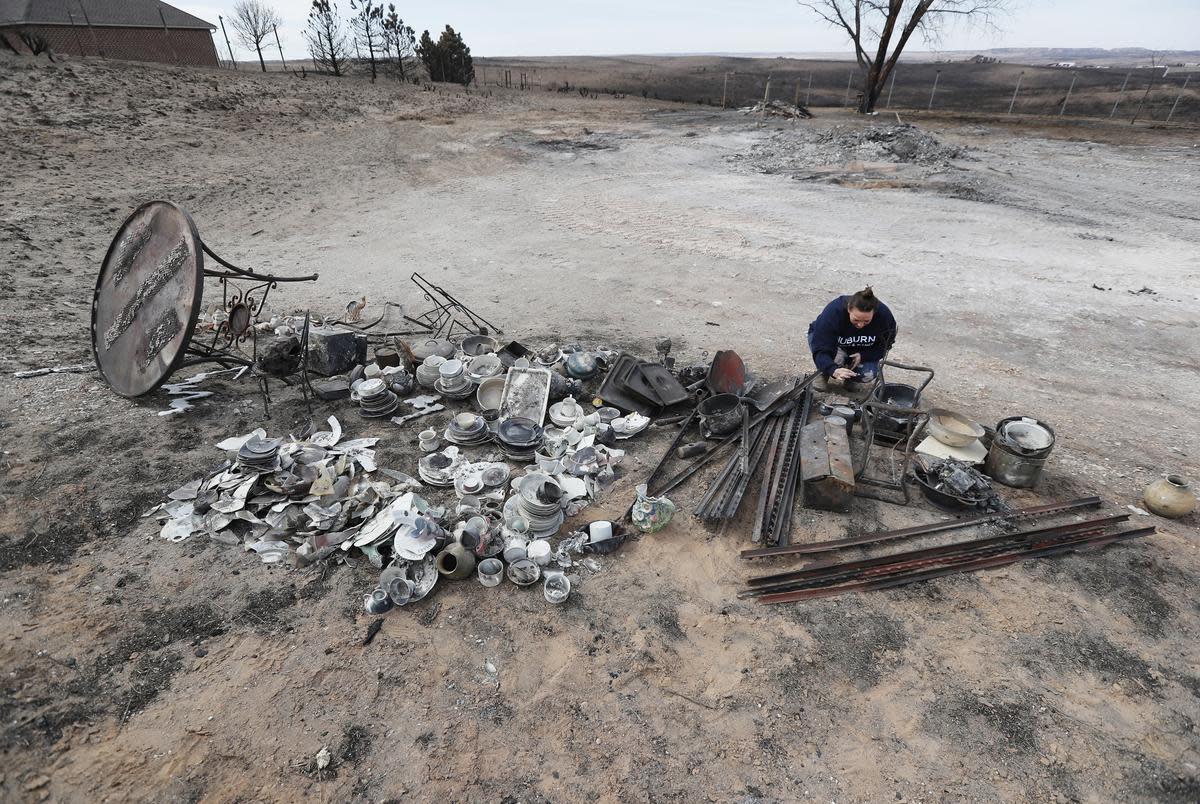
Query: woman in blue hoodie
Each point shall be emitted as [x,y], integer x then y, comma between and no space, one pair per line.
[850,336]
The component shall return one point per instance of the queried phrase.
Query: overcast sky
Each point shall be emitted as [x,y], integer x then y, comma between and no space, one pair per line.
[573,27]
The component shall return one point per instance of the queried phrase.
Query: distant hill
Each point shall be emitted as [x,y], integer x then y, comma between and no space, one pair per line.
[1094,56]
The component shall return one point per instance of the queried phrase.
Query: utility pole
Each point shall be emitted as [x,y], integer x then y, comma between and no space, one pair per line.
[78,38]
[1017,89]
[231,58]
[91,31]
[933,91]
[281,58]
[1074,77]
[167,36]
[1178,97]
[1124,84]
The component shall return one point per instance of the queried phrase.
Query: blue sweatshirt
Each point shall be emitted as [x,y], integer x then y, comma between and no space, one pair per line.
[832,330]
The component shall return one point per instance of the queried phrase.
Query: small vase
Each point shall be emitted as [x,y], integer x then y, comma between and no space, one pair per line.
[651,514]
[1170,496]
[455,562]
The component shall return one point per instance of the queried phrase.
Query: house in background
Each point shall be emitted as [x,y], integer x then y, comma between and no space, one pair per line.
[137,30]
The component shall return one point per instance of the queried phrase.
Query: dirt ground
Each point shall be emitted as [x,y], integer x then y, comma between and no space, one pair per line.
[1048,271]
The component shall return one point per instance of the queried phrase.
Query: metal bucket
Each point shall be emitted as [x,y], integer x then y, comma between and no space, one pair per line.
[1012,465]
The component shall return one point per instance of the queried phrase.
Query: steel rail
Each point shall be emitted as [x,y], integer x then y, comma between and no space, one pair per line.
[790,397]
[990,562]
[920,530]
[834,575]
[783,533]
[817,569]
[764,490]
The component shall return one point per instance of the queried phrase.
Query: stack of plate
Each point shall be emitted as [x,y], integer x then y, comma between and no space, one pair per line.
[437,468]
[259,453]
[376,400]
[483,367]
[519,438]
[539,501]
[453,382]
[427,372]
[560,416]
[468,430]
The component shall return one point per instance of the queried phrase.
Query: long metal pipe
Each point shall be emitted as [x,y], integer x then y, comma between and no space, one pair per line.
[832,574]
[983,563]
[920,530]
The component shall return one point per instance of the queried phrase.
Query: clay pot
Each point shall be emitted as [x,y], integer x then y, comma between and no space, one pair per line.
[1170,496]
[455,562]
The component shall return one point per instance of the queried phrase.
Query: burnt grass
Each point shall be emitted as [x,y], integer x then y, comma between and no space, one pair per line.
[852,642]
[1009,719]
[1050,654]
[1132,584]
[132,673]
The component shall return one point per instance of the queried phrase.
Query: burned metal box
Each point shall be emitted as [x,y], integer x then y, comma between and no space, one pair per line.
[826,466]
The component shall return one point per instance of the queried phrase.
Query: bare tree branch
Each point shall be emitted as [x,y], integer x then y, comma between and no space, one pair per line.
[875,23]
[253,20]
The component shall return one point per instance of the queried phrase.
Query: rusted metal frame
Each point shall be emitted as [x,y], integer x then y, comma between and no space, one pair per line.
[788,445]
[717,488]
[780,524]
[921,530]
[739,492]
[725,504]
[796,477]
[666,456]
[1004,559]
[728,441]
[245,273]
[886,565]
[768,471]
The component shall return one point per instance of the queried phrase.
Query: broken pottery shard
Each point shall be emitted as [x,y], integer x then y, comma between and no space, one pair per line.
[377,528]
[188,491]
[237,442]
[330,437]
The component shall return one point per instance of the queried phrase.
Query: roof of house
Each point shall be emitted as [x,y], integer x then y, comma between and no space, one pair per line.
[121,13]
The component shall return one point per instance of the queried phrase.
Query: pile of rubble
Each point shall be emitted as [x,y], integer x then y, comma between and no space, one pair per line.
[777,108]
[812,153]
[465,509]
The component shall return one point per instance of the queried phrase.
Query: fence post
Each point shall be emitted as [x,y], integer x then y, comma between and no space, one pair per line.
[231,58]
[1142,103]
[1178,97]
[281,58]
[933,91]
[796,102]
[808,94]
[849,81]
[1117,103]
[92,32]
[1012,103]
[766,97]
[724,90]
[892,88]
[1074,77]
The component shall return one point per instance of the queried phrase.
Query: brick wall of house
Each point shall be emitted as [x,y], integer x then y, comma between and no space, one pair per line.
[176,46]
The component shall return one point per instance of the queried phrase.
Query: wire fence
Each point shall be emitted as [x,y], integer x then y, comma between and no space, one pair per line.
[1140,94]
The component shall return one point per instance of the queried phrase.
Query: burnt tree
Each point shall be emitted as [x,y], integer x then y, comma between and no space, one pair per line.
[881,29]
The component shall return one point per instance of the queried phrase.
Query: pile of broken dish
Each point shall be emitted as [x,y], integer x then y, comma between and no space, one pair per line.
[311,498]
